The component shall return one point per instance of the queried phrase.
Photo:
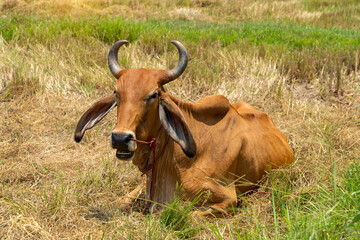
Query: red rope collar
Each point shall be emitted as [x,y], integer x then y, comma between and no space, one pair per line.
[151,166]
[152,145]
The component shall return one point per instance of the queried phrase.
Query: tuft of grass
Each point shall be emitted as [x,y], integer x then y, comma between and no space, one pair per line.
[177,217]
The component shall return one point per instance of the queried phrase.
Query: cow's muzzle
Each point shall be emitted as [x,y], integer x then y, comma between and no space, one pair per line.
[124,144]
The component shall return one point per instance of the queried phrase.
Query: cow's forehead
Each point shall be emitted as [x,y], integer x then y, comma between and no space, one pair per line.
[138,82]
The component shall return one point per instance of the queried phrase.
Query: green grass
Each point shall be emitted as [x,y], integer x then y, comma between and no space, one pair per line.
[301,51]
[293,37]
[327,212]
[324,213]
[177,217]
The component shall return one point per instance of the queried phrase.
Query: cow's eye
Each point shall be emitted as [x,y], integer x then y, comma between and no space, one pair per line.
[152,97]
[116,94]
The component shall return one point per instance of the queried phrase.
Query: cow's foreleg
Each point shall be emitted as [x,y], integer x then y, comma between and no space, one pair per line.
[128,199]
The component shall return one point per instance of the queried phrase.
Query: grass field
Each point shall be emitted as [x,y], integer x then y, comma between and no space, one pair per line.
[296,60]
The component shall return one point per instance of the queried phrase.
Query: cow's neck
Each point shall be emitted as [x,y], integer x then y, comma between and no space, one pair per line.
[169,160]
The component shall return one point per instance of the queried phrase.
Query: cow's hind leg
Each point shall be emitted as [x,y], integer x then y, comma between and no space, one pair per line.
[223,201]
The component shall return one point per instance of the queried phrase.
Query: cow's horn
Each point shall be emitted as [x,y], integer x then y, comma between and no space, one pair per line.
[114,65]
[183,60]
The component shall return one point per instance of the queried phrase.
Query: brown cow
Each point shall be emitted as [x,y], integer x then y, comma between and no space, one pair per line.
[211,145]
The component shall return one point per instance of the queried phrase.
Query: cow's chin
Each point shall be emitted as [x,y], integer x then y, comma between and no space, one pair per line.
[124,155]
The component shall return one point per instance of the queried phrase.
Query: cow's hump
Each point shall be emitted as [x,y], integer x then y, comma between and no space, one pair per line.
[211,108]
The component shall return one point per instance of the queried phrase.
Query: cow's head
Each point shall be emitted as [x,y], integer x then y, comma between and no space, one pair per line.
[143,107]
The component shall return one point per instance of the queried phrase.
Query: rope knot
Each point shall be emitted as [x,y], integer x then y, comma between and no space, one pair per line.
[152,143]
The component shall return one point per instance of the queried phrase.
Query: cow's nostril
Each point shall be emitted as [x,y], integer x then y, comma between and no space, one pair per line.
[121,141]
[128,139]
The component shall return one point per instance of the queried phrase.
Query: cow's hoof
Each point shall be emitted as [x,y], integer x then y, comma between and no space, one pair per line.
[210,213]
[124,203]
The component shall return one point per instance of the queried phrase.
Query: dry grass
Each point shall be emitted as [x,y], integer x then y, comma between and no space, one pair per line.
[53,188]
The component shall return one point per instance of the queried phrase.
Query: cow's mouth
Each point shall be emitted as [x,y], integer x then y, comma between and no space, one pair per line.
[124,155]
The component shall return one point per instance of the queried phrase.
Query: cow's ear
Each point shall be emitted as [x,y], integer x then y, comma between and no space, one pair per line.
[175,125]
[93,115]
